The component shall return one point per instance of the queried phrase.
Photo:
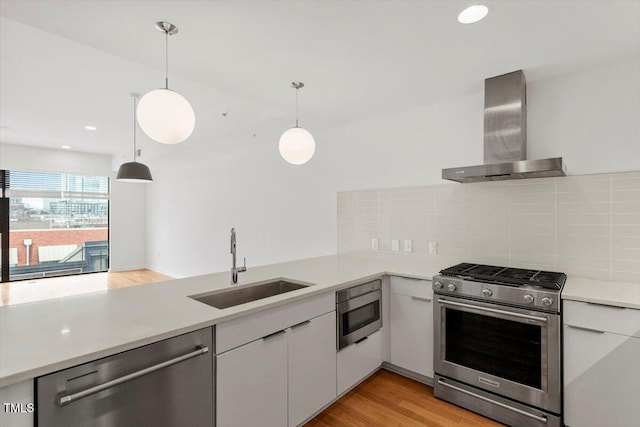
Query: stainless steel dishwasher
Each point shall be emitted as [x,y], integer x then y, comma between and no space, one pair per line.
[168,383]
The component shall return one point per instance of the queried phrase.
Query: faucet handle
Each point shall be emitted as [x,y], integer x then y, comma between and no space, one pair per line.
[244,267]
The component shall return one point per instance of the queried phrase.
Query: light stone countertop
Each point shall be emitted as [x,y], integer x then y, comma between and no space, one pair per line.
[617,294]
[45,336]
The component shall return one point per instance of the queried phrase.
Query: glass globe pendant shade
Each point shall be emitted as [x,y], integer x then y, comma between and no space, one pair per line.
[297,146]
[166,116]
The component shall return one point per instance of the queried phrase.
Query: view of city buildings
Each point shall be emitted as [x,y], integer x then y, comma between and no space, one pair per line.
[58,224]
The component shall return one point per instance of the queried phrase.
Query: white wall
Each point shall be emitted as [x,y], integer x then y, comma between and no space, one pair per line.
[128,201]
[282,212]
[127,225]
[591,118]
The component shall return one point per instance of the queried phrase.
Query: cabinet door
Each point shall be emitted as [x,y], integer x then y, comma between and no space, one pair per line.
[412,333]
[312,367]
[601,379]
[251,384]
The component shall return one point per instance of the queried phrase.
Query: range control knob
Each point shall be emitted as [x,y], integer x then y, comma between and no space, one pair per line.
[546,301]
[528,298]
[487,292]
[438,285]
[451,287]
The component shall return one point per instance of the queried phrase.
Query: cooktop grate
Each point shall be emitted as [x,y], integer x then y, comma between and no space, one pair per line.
[507,275]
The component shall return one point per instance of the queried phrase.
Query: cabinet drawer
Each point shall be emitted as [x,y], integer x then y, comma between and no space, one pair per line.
[356,361]
[411,287]
[618,320]
[601,379]
[242,330]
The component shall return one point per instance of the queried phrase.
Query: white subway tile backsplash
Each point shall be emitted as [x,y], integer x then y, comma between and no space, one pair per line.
[584,218]
[625,276]
[532,218]
[591,197]
[630,265]
[600,208]
[583,184]
[524,198]
[625,254]
[625,230]
[584,262]
[626,207]
[522,258]
[527,227]
[625,195]
[582,225]
[583,229]
[626,219]
[478,226]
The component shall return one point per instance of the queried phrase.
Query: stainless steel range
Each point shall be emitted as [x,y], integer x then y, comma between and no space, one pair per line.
[498,342]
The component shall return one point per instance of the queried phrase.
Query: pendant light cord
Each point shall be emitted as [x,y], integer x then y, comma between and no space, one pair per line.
[134,129]
[297,89]
[166,60]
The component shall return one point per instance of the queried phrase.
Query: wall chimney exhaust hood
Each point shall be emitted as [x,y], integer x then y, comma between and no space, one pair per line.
[505,137]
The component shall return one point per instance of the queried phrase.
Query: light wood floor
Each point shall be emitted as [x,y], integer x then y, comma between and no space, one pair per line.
[387,399]
[41,289]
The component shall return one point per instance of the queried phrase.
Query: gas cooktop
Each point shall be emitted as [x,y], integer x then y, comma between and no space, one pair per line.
[506,276]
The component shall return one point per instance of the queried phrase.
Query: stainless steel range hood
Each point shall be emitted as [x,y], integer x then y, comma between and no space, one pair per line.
[505,136]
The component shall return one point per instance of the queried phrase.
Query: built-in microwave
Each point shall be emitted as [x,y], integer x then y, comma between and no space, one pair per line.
[359,312]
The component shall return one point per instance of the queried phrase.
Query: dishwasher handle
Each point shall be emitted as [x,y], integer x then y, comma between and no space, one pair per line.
[64,399]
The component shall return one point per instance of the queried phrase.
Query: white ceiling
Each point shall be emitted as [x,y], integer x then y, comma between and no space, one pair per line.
[66,64]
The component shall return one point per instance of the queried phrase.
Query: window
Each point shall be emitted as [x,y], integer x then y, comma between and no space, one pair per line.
[58,224]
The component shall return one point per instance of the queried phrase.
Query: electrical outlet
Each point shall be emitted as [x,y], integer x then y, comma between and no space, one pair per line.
[395,245]
[374,243]
[433,248]
[408,245]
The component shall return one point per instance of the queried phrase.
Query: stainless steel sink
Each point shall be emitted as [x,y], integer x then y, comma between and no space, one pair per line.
[233,297]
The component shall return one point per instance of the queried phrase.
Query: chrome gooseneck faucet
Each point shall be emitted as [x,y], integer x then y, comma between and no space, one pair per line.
[235,270]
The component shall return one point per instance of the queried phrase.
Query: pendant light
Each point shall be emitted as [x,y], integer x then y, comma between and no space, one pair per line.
[164,115]
[296,144]
[134,171]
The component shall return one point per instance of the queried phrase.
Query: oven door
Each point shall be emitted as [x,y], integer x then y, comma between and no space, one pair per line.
[509,351]
[359,317]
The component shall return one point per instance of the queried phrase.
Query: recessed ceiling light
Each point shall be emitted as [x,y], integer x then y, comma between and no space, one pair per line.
[89,127]
[66,147]
[473,14]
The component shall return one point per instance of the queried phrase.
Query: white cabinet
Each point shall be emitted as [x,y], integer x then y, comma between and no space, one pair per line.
[282,378]
[358,360]
[251,384]
[601,370]
[312,366]
[21,400]
[411,338]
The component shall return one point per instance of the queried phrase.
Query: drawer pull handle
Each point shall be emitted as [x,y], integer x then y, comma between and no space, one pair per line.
[615,307]
[361,340]
[421,299]
[273,335]
[582,328]
[64,398]
[297,325]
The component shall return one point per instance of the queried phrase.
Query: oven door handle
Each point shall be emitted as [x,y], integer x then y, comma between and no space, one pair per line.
[494,402]
[494,310]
